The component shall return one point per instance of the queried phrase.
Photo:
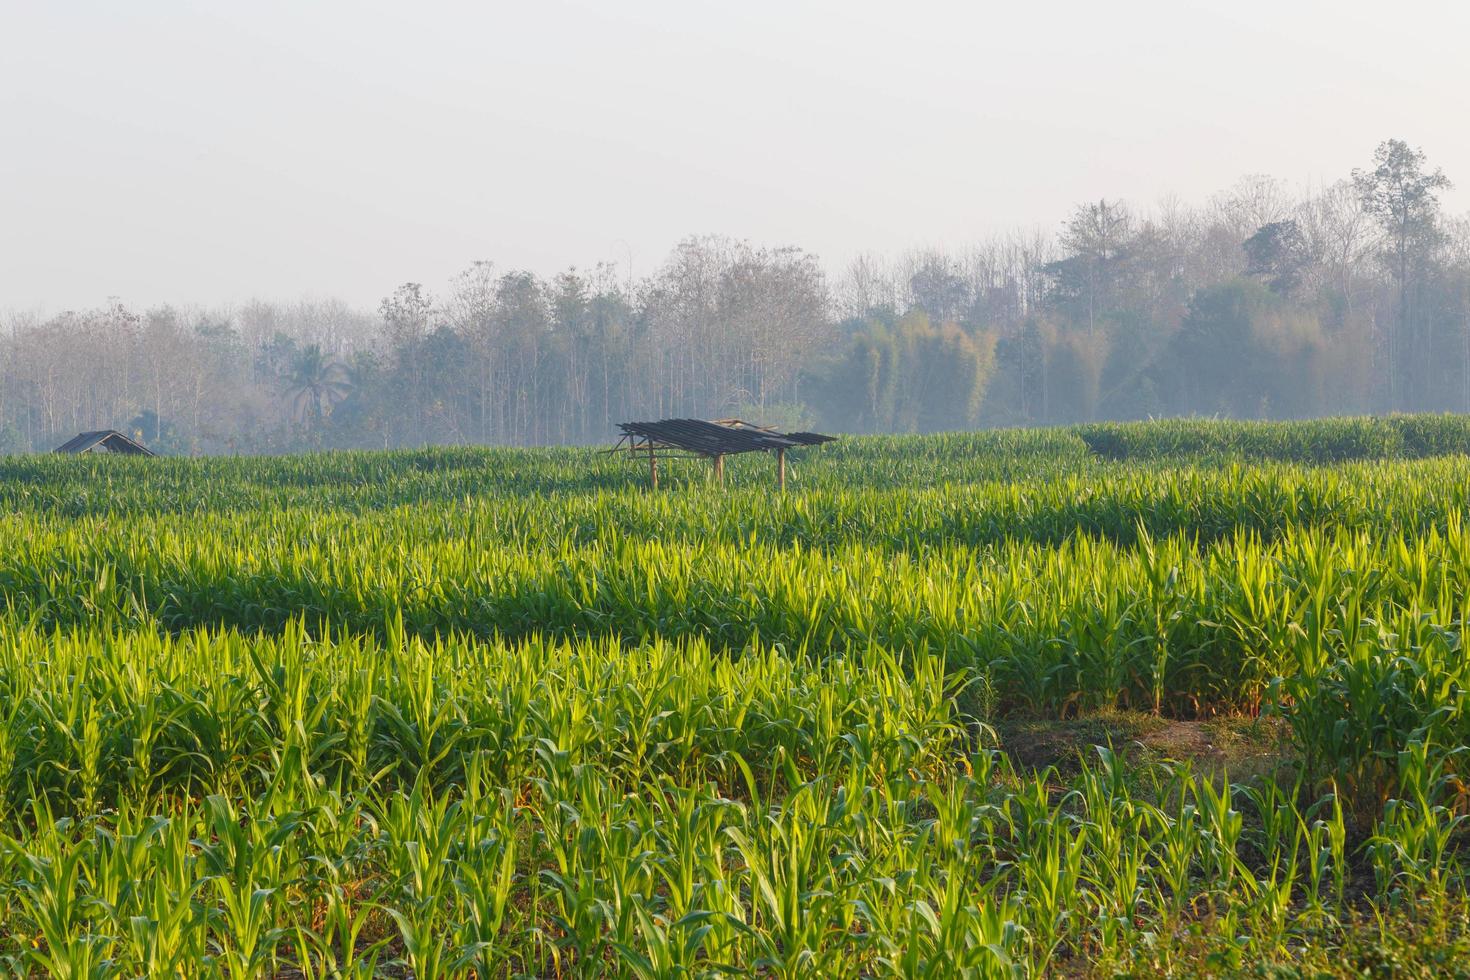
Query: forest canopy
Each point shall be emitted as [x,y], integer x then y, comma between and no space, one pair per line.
[1261,302]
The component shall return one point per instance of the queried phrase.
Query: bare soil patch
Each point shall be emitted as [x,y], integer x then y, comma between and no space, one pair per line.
[1243,747]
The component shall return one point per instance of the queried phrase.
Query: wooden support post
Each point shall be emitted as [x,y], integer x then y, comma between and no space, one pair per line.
[719,468]
[780,469]
[652,469]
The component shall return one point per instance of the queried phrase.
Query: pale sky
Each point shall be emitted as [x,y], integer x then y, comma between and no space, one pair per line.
[206,153]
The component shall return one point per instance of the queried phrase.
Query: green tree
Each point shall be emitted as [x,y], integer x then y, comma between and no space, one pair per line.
[315,384]
[1247,352]
[911,377]
[1098,237]
[406,318]
[1403,196]
[1277,253]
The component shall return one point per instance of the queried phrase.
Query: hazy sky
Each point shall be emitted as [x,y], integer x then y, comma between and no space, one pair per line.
[209,152]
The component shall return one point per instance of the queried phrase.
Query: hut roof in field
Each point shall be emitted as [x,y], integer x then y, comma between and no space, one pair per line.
[720,437]
[104,441]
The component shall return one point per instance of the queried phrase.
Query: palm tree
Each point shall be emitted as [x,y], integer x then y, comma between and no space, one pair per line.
[315,383]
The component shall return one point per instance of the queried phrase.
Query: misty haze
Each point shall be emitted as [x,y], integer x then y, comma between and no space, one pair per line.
[794,490]
[1259,303]
[537,224]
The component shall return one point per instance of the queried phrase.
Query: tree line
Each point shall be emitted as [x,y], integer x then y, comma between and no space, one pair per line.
[1260,302]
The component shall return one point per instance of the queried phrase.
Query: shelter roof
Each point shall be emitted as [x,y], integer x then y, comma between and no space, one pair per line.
[722,437]
[106,440]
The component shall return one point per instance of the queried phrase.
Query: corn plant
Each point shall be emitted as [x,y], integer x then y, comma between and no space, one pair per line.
[505,712]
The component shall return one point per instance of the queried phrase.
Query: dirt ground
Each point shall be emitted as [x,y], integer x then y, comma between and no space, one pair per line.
[1243,747]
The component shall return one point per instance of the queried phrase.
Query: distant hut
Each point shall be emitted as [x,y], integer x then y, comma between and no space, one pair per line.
[105,441]
[712,440]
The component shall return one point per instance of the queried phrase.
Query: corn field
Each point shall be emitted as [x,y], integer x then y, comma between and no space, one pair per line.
[494,713]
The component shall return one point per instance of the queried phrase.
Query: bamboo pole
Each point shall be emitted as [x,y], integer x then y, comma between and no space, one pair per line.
[719,468]
[652,468]
[780,469]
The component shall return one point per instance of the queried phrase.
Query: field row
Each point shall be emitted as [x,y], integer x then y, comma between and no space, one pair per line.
[509,713]
[365,481]
[1165,624]
[272,803]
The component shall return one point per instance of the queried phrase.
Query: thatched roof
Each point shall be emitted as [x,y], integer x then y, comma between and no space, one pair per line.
[718,438]
[104,441]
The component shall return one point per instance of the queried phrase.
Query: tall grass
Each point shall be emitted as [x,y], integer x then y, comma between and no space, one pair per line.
[1175,624]
[505,712]
[274,802]
[1315,441]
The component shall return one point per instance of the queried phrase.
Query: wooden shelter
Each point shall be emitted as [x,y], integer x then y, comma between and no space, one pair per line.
[712,440]
[104,441]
